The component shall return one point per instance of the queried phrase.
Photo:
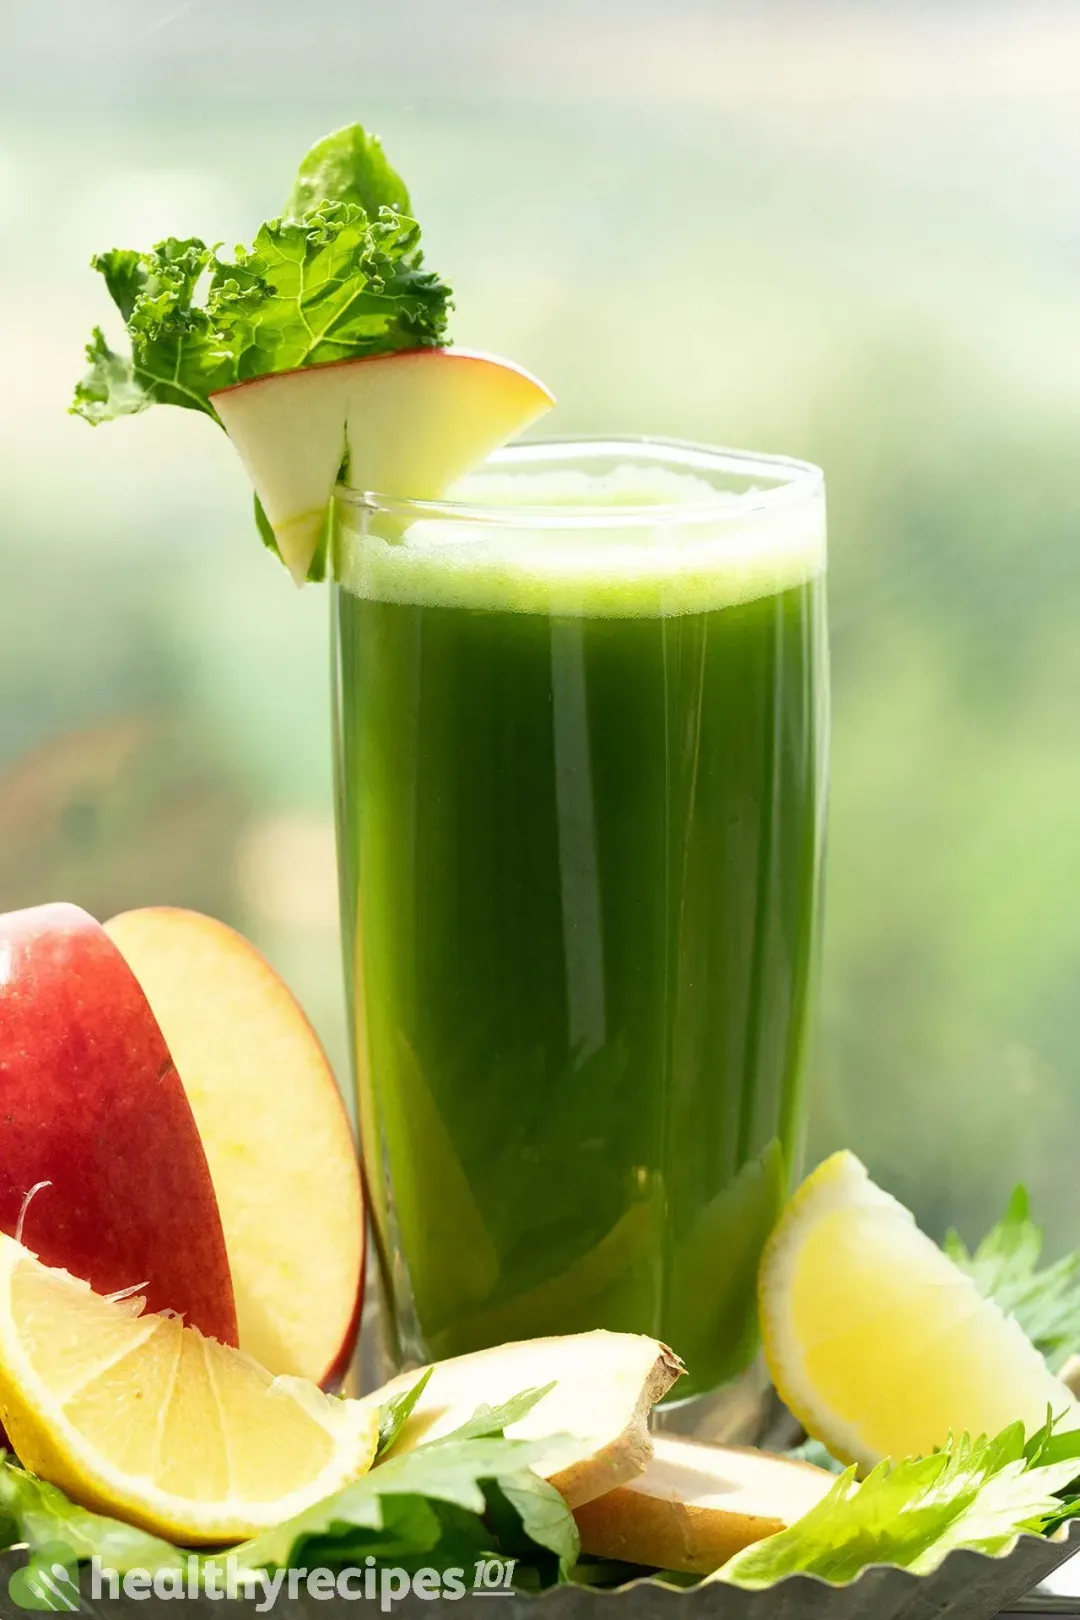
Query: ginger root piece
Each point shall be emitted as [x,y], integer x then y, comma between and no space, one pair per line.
[695,1506]
[606,1384]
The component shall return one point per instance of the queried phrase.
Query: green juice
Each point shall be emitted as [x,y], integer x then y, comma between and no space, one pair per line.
[580,836]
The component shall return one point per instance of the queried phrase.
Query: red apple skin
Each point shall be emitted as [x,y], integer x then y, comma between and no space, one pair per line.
[91,1102]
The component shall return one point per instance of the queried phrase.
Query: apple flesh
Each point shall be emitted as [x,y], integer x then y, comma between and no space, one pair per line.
[406,425]
[93,1115]
[275,1131]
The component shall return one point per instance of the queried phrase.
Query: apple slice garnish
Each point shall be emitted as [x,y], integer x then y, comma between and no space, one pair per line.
[102,1172]
[406,425]
[275,1130]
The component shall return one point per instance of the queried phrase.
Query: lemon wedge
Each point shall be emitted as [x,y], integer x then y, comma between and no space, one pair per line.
[140,1417]
[876,1341]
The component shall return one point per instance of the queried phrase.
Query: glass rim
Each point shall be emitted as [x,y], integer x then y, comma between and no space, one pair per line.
[792,480]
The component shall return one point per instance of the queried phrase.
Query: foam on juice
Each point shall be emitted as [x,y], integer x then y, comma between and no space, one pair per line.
[636,541]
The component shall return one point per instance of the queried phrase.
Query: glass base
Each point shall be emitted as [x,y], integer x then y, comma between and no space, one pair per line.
[371,1366]
[745,1412]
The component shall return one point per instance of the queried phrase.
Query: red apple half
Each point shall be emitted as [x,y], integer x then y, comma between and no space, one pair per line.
[276,1134]
[407,424]
[94,1117]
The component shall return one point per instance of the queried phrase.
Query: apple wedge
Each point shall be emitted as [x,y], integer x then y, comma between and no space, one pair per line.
[276,1134]
[407,425]
[695,1506]
[102,1172]
[606,1384]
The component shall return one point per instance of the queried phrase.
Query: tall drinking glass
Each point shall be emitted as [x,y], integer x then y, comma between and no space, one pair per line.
[581,728]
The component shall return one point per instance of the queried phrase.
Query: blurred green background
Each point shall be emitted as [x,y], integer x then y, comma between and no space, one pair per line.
[846,231]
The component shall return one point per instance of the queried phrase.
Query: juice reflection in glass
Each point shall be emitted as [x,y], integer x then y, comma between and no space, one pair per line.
[581,724]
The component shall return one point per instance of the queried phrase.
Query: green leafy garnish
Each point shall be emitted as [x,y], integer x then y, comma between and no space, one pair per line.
[348,166]
[339,277]
[486,1423]
[982,1495]
[396,1413]
[369,1516]
[1005,1267]
[491,1420]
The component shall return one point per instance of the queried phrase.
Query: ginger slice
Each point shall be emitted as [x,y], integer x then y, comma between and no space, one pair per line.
[606,1384]
[696,1505]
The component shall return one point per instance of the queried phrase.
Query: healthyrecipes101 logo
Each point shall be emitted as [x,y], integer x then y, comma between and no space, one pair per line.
[55,1584]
